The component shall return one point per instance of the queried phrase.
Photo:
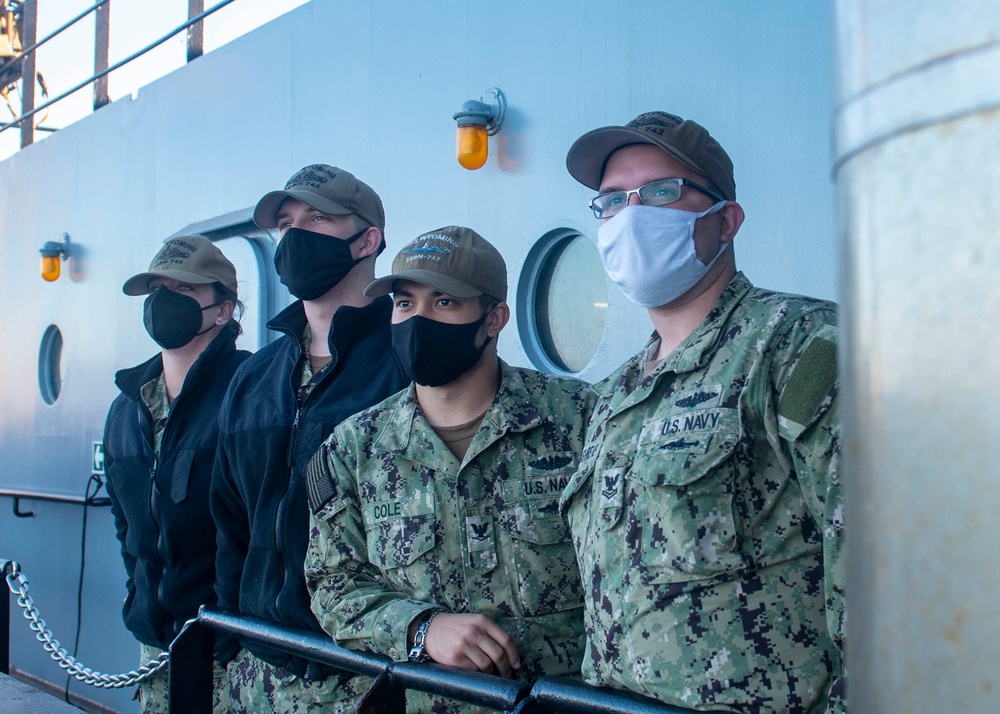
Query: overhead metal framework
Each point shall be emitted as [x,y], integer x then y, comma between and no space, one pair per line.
[26,18]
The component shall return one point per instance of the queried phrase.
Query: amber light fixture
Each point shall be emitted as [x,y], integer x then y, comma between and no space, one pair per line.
[477,121]
[53,254]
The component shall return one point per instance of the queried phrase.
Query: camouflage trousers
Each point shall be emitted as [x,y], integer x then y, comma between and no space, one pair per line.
[256,687]
[153,692]
[423,703]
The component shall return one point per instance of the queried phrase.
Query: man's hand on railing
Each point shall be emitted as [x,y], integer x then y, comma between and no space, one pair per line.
[472,642]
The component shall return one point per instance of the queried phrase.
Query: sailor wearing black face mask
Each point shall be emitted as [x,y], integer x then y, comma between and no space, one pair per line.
[172,318]
[436,533]
[334,359]
[159,447]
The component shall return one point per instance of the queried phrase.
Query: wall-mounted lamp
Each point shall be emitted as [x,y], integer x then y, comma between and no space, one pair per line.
[52,253]
[477,121]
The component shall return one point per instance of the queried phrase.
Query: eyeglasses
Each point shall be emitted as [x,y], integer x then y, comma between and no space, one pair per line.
[659,193]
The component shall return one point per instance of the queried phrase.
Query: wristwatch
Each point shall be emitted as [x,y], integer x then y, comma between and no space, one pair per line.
[418,653]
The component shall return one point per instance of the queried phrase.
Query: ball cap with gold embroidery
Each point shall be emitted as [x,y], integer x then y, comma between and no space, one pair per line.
[455,260]
[329,190]
[190,259]
[685,140]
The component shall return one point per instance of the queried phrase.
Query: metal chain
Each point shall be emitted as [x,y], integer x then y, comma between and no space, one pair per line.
[18,585]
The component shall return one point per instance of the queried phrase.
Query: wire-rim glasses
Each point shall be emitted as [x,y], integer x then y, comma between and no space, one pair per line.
[658,193]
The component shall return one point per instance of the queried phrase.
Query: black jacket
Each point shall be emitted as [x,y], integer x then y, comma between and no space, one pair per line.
[161,507]
[265,443]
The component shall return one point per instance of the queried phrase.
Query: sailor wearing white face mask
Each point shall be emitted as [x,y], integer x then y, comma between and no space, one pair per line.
[707,505]
[649,252]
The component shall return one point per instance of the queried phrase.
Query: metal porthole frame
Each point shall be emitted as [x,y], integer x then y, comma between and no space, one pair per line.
[535,264]
[49,364]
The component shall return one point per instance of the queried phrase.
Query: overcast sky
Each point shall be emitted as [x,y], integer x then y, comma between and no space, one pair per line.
[68,59]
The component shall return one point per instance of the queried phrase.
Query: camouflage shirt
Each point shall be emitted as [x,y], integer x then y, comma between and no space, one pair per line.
[399,526]
[154,396]
[707,514]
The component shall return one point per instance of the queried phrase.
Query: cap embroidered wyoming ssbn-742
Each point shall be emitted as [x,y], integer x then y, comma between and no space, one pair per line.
[454,259]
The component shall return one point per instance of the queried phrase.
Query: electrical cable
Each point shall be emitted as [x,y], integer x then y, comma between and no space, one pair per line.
[88,498]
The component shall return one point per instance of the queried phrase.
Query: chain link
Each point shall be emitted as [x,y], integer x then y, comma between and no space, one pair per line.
[18,585]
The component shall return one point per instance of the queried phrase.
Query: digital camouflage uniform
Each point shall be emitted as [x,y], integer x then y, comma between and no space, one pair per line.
[399,526]
[153,693]
[707,514]
[258,687]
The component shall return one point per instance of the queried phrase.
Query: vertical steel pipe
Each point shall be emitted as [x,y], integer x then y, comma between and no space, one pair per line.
[29,17]
[5,568]
[102,39]
[196,32]
[918,173]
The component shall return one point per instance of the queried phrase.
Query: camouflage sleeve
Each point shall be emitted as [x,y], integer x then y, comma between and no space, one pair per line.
[808,418]
[349,596]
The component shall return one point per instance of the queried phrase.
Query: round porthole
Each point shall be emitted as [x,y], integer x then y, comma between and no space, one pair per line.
[562,302]
[49,364]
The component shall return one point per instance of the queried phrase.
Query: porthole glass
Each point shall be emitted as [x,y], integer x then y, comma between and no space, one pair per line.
[247,257]
[563,305]
[251,250]
[50,364]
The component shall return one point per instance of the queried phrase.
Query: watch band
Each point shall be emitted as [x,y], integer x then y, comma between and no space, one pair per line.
[418,653]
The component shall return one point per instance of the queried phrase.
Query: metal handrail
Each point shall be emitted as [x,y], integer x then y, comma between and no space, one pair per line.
[98,75]
[191,661]
[191,674]
[54,498]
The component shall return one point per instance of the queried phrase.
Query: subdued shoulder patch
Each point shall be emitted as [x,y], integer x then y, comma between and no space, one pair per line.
[318,482]
[810,382]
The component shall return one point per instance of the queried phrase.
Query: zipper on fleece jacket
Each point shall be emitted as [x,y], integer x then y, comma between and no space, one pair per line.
[159,536]
[290,463]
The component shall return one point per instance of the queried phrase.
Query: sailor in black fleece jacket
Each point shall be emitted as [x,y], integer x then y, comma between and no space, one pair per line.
[334,359]
[159,444]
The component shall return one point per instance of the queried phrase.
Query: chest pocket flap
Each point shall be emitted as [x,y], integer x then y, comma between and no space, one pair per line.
[180,473]
[682,448]
[684,516]
[399,530]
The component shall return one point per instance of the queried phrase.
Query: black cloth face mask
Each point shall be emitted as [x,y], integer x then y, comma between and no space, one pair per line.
[172,319]
[436,353]
[311,263]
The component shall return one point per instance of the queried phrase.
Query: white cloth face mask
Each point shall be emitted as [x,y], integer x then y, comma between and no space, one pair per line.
[649,253]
